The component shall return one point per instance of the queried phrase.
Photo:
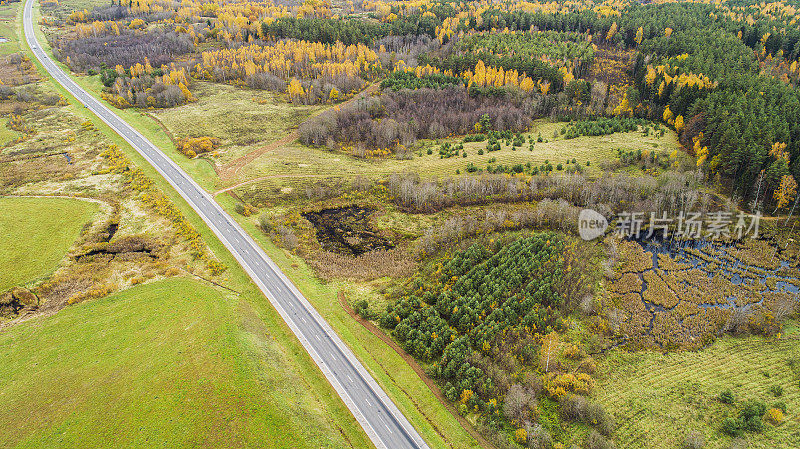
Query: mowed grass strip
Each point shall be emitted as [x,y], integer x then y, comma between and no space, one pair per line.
[657,398]
[36,233]
[174,363]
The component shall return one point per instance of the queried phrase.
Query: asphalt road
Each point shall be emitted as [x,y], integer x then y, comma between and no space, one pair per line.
[376,413]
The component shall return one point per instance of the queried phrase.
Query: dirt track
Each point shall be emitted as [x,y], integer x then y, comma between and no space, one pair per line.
[232,168]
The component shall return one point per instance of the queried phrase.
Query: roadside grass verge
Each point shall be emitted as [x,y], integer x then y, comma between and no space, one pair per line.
[339,419]
[35,233]
[657,398]
[173,363]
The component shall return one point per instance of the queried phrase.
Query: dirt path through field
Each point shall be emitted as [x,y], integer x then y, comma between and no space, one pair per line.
[232,168]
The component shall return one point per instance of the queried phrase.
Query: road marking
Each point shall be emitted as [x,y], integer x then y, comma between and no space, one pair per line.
[384,424]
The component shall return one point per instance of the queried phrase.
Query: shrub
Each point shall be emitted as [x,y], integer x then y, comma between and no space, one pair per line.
[575,408]
[287,237]
[601,419]
[597,441]
[776,390]
[726,397]
[265,223]
[753,424]
[243,209]
[197,145]
[774,416]
[753,409]
[520,435]
[732,427]
[362,309]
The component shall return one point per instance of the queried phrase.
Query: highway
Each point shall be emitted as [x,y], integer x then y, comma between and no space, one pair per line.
[382,421]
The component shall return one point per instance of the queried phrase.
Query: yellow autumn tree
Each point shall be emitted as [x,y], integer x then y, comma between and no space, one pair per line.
[679,123]
[668,31]
[667,116]
[544,86]
[778,151]
[480,74]
[611,31]
[700,151]
[639,35]
[651,75]
[786,192]
[295,89]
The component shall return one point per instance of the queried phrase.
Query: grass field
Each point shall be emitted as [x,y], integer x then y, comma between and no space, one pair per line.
[295,163]
[169,364]
[35,233]
[657,399]
[7,134]
[242,119]
[10,43]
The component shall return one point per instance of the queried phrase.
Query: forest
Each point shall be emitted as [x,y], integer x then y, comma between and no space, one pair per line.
[486,320]
[726,72]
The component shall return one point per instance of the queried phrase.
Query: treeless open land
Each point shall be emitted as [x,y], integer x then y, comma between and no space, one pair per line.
[659,398]
[36,233]
[173,363]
